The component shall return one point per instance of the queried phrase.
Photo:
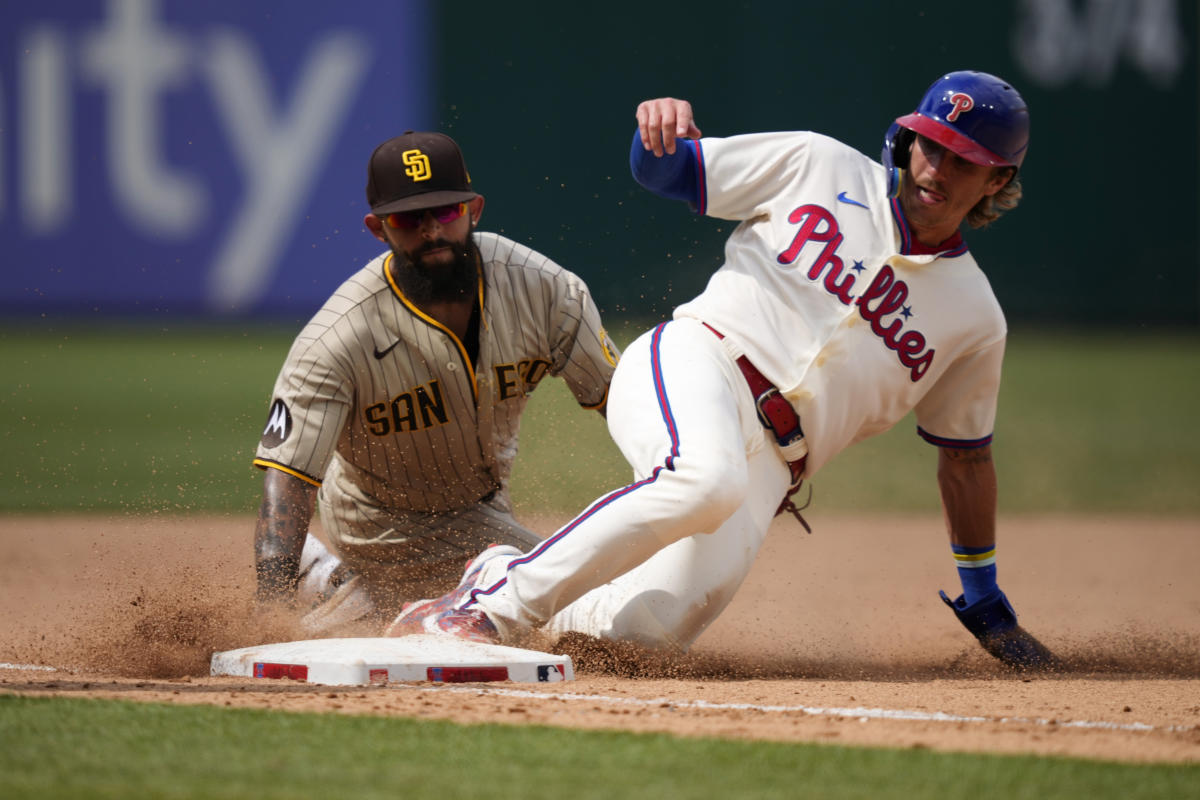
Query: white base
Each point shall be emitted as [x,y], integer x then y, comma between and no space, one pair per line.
[424,657]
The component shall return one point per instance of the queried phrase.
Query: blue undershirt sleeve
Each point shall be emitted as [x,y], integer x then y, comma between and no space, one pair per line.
[674,176]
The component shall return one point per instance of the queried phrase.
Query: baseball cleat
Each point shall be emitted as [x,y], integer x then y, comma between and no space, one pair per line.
[470,624]
[408,621]
[423,615]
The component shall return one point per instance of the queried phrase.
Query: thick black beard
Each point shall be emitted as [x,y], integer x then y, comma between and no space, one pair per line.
[423,283]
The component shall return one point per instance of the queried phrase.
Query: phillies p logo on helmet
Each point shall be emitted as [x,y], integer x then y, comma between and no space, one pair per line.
[995,133]
[962,102]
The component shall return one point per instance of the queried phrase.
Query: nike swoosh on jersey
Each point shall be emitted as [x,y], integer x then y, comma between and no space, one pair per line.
[381,353]
[843,199]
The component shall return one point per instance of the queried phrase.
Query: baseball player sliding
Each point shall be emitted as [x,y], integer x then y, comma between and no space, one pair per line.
[399,403]
[848,298]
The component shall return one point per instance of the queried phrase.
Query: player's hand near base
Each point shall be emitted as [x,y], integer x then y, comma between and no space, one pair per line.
[283,518]
[994,623]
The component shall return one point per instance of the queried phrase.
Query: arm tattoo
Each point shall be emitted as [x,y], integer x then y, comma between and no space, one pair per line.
[283,520]
[981,455]
[279,520]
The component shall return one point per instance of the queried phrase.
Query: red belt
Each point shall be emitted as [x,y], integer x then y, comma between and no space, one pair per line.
[774,411]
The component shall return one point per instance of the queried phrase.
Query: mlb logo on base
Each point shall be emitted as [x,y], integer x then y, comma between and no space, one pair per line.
[551,673]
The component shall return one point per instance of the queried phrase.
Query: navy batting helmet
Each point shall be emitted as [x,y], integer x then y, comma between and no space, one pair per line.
[976,115]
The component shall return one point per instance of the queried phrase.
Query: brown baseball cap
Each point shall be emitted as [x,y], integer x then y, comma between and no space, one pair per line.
[417,170]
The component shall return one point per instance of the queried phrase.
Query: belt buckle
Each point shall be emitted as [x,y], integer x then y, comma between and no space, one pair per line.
[784,439]
[758,404]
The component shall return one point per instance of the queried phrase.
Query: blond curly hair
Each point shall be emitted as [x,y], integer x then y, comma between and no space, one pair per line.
[989,209]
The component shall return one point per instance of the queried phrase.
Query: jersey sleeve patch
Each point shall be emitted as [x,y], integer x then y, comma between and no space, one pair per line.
[279,424]
[610,349]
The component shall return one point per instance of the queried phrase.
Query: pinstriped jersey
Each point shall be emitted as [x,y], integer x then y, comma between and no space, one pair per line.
[392,395]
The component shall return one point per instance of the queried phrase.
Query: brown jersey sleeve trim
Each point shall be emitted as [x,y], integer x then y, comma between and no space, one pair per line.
[603,402]
[263,463]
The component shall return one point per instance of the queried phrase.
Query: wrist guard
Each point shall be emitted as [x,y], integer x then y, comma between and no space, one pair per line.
[993,622]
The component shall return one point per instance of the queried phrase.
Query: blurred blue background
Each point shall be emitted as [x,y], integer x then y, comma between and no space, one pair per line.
[170,158]
[164,159]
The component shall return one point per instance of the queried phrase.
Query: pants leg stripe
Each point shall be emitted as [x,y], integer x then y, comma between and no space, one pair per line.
[660,390]
[669,464]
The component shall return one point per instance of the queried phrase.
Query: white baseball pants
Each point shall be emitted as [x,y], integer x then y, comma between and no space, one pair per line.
[655,562]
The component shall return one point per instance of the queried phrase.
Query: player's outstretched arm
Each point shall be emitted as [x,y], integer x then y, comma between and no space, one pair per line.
[283,519]
[967,481]
[662,121]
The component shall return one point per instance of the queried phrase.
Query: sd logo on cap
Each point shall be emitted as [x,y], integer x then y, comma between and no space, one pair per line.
[417,170]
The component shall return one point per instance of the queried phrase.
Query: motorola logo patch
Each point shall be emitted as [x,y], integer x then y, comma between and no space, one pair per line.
[279,425]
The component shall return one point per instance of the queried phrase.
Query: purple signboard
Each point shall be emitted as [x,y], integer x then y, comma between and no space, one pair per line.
[163,157]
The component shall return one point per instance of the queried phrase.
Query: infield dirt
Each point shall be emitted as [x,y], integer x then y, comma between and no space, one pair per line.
[832,632]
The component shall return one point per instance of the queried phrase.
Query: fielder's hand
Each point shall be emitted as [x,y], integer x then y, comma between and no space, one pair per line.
[994,623]
[664,120]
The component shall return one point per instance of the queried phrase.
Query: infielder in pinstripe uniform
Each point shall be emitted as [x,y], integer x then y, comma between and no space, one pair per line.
[399,404]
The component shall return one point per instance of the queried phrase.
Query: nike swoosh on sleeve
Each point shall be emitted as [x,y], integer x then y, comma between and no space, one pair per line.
[381,353]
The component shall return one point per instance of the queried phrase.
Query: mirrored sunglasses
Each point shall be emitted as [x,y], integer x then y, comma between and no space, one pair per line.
[408,220]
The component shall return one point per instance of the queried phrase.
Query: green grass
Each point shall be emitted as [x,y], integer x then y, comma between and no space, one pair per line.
[1102,423]
[138,419]
[145,420]
[111,749]
[1087,423]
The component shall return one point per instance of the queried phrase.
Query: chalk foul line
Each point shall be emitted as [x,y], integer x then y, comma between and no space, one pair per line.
[860,713]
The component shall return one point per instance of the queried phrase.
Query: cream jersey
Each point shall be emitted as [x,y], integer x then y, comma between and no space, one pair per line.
[391,395]
[853,324]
